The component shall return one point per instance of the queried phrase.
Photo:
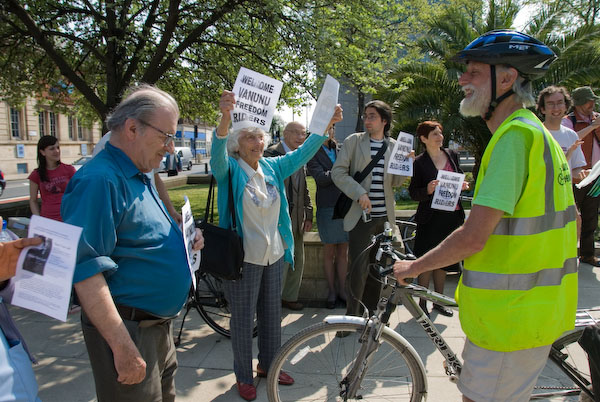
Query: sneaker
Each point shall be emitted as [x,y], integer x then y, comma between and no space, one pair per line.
[443,310]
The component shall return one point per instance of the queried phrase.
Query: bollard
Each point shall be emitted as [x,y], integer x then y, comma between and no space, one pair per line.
[205,168]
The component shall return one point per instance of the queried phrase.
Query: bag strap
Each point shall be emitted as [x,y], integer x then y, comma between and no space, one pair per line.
[210,202]
[230,201]
[361,176]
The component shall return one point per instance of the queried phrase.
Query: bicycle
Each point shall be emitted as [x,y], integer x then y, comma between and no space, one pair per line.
[209,300]
[349,358]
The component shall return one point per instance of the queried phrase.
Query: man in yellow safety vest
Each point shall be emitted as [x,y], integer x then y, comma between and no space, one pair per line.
[518,290]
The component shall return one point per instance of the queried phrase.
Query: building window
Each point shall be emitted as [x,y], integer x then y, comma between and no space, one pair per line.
[16,123]
[42,123]
[52,120]
[71,123]
[80,132]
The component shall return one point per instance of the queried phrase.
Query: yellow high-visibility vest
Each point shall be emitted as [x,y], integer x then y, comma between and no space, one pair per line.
[520,291]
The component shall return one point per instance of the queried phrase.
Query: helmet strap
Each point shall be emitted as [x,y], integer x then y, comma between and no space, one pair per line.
[496,101]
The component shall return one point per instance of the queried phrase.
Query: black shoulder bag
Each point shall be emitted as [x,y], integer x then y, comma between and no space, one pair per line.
[223,253]
[344,203]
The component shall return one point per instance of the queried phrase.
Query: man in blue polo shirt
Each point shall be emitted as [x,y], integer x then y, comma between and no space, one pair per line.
[131,274]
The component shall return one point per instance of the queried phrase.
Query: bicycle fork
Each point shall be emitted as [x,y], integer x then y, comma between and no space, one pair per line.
[369,340]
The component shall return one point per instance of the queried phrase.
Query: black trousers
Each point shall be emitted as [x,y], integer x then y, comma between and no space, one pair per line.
[360,286]
[588,207]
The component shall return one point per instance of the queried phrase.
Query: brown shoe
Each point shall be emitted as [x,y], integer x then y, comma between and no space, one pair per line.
[284,378]
[296,306]
[593,261]
[246,391]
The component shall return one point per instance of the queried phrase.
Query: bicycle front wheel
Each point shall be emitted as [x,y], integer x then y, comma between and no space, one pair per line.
[566,354]
[318,361]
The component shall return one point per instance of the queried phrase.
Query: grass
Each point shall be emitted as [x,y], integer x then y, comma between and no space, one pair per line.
[198,193]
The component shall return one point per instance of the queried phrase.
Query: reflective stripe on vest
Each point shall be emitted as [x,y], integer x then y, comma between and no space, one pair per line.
[494,281]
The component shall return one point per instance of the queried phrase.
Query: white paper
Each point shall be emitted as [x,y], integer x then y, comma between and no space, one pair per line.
[44,276]
[594,173]
[256,97]
[400,164]
[447,192]
[189,233]
[325,106]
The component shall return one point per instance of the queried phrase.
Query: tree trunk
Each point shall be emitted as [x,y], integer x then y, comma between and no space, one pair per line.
[360,98]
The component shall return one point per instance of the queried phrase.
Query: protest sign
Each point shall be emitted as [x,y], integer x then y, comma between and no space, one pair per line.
[256,97]
[400,164]
[44,276]
[325,106]
[189,234]
[447,192]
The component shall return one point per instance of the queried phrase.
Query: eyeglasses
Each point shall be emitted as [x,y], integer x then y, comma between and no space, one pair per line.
[170,137]
[551,105]
[371,116]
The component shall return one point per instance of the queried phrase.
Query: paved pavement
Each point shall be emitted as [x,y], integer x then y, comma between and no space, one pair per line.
[205,358]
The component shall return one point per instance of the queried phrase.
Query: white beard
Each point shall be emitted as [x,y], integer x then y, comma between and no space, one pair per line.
[477,104]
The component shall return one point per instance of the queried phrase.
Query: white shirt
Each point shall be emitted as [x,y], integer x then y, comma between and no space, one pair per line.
[261,203]
[565,138]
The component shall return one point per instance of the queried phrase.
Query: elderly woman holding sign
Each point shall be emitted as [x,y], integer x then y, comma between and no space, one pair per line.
[433,225]
[265,227]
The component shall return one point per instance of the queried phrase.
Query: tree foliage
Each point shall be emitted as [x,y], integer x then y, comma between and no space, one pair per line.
[429,89]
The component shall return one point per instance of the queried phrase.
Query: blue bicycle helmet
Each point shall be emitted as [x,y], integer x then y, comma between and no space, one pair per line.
[530,57]
[502,46]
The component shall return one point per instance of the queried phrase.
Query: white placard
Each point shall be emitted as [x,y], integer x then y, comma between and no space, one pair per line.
[256,97]
[447,192]
[189,234]
[44,276]
[400,164]
[325,106]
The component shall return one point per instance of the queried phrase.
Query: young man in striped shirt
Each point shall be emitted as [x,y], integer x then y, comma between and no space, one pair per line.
[374,198]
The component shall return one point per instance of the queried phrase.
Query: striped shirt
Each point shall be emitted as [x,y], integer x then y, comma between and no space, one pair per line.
[376,194]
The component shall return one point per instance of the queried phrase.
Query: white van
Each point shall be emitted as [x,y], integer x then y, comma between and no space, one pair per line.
[187,159]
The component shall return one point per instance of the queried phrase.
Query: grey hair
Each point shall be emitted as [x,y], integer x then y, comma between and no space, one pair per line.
[523,93]
[233,145]
[140,102]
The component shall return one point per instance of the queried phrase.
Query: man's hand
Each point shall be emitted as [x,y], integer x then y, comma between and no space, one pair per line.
[365,202]
[402,270]
[198,241]
[9,255]
[307,226]
[130,366]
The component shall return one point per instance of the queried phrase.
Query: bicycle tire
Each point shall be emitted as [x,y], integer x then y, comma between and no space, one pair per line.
[553,381]
[212,305]
[318,360]
[408,233]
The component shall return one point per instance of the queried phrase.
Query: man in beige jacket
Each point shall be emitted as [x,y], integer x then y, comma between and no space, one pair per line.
[374,195]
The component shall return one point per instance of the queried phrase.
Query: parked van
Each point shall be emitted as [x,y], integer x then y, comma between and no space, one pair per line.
[187,159]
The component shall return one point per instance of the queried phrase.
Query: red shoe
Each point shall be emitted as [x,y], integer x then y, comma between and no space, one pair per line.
[284,378]
[247,391]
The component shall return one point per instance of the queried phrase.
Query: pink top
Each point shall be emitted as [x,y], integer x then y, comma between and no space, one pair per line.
[53,189]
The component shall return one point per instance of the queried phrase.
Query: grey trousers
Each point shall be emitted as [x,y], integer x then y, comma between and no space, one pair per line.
[259,290]
[292,277]
[155,343]
[359,285]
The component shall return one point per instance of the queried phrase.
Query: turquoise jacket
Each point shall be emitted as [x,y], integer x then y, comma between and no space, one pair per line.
[275,169]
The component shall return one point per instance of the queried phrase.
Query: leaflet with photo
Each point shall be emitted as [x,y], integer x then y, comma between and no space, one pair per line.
[447,192]
[256,97]
[189,233]
[44,276]
[400,164]
[325,106]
